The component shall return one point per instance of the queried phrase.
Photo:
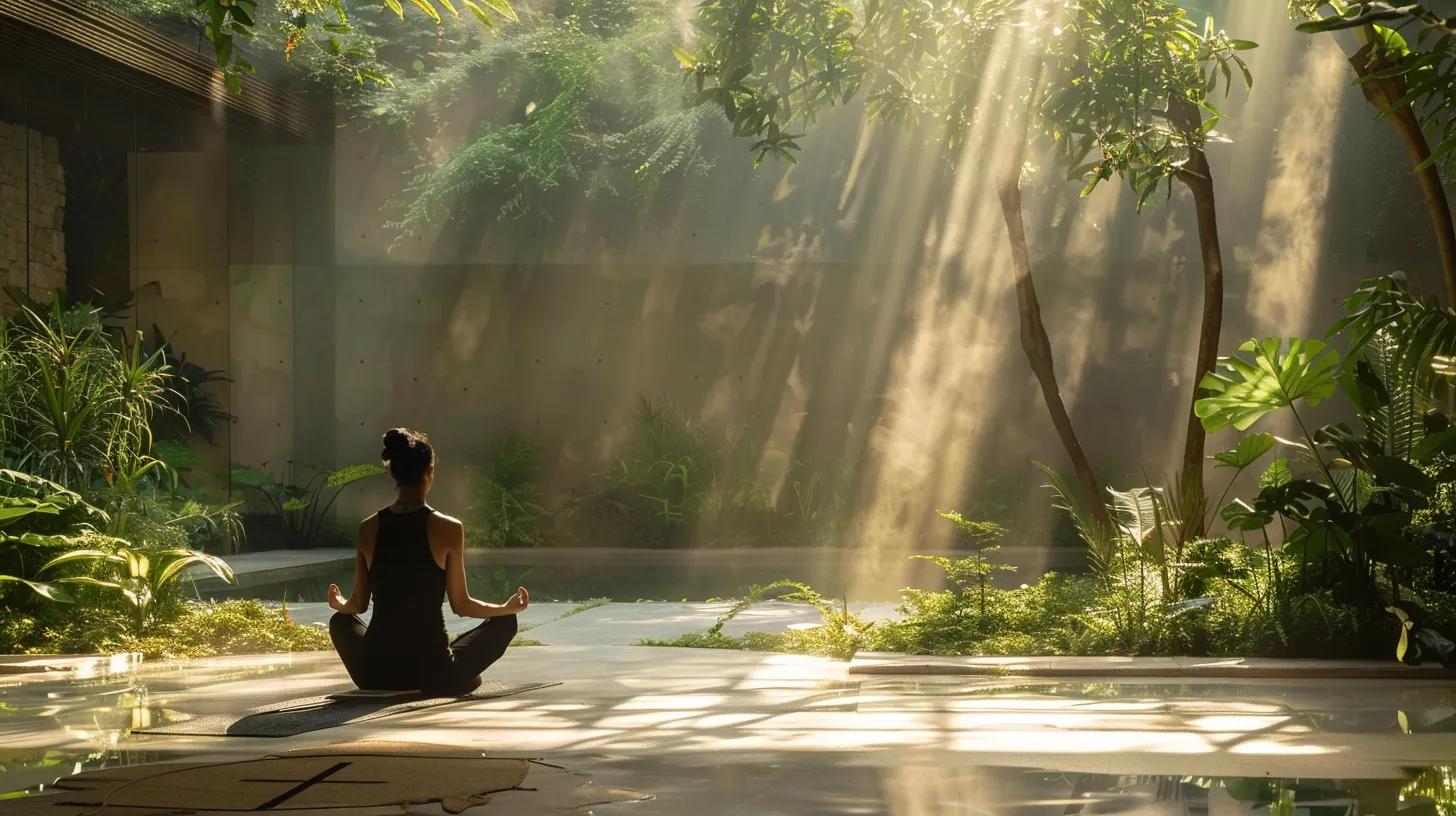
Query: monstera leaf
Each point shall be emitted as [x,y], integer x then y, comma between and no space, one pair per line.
[1246,453]
[1244,390]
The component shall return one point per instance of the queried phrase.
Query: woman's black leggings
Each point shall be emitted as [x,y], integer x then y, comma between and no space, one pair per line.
[470,654]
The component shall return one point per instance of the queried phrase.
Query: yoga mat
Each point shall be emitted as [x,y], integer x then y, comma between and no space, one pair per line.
[314,713]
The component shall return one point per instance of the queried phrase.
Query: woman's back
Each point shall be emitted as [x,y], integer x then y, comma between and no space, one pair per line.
[406,643]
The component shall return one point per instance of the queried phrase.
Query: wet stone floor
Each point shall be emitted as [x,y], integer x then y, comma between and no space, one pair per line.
[640,730]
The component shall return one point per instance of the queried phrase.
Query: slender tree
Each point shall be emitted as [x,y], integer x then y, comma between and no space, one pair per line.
[1384,66]
[1132,97]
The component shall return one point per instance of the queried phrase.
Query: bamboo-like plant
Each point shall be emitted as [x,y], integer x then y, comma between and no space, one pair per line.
[78,406]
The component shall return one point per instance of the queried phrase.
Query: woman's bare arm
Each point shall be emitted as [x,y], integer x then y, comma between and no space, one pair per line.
[359,599]
[453,535]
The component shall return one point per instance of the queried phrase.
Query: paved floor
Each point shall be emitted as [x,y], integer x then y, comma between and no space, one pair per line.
[712,732]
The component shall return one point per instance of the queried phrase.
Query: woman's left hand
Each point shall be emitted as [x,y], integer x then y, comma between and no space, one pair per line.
[336,600]
[517,602]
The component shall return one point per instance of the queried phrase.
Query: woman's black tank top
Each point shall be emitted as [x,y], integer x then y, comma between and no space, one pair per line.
[406,646]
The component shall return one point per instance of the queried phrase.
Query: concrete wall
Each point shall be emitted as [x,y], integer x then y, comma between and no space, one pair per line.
[33,197]
[854,313]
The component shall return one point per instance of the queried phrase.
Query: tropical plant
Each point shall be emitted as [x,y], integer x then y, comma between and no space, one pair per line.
[1142,560]
[1349,523]
[78,407]
[324,28]
[303,510]
[190,408]
[505,512]
[586,112]
[15,511]
[139,576]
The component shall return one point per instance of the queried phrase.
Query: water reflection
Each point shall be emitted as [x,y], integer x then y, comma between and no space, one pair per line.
[1429,791]
[33,771]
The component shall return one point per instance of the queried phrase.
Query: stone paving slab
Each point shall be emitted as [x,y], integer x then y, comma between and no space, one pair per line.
[889,663]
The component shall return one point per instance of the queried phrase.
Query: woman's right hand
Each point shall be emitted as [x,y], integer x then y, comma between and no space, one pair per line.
[336,599]
[517,602]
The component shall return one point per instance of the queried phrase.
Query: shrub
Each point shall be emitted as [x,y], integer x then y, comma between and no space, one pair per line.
[228,627]
[677,482]
[77,406]
[505,512]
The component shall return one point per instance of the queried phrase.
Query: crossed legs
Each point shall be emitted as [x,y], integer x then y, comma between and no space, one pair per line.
[470,654]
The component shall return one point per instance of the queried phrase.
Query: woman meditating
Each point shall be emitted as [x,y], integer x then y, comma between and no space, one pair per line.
[411,558]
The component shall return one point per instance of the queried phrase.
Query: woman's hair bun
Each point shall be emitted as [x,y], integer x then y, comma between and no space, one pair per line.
[408,454]
[396,442]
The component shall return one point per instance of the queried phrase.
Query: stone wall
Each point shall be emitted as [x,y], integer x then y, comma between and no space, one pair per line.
[43,185]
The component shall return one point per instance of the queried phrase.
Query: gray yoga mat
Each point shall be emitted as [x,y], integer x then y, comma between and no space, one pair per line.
[306,714]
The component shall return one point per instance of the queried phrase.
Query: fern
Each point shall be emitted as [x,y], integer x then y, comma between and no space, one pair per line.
[1397,426]
[1101,538]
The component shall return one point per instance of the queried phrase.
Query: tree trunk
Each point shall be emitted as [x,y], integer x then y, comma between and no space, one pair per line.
[1198,178]
[1383,94]
[1037,345]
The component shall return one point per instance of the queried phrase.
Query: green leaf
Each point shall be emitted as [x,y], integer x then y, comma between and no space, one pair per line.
[49,591]
[480,14]
[1246,453]
[1240,515]
[1244,390]
[685,59]
[503,8]
[1406,624]
[1442,441]
[395,7]
[1396,471]
[83,555]
[1278,474]
[1356,16]
[428,8]
[1318,540]
[249,477]
[182,559]
[352,473]
[13,512]
[87,580]
[177,455]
